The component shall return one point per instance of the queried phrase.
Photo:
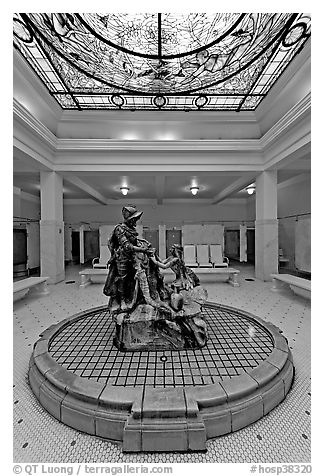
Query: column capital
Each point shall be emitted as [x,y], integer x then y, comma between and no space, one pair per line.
[267,221]
[266,195]
[51,222]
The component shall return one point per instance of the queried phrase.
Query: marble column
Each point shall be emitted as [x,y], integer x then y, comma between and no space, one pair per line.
[81,239]
[243,244]
[16,202]
[68,243]
[52,227]
[162,241]
[266,226]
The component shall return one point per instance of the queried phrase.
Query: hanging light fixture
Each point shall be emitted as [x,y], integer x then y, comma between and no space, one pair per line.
[250,189]
[194,190]
[124,190]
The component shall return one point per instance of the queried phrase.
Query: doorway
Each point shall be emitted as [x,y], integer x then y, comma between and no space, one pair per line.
[250,239]
[75,247]
[152,236]
[232,244]
[173,237]
[19,252]
[91,245]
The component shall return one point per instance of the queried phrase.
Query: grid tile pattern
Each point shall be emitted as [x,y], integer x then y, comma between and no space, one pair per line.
[282,436]
[235,344]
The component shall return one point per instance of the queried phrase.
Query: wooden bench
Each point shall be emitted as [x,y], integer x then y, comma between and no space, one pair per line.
[30,285]
[90,275]
[299,286]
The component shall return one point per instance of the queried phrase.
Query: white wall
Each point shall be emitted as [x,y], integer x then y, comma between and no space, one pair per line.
[33,245]
[197,234]
[154,215]
[33,95]
[135,126]
[287,92]
[294,199]
[23,208]
[16,205]
[202,222]
[250,208]
[30,209]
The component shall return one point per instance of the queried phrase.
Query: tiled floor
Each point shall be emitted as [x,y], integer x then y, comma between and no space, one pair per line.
[234,345]
[280,437]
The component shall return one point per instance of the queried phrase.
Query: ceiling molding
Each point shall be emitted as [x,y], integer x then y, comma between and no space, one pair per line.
[79,202]
[152,202]
[157,164]
[190,201]
[31,81]
[37,160]
[296,113]
[29,197]
[248,145]
[292,148]
[22,114]
[97,196]
[302,59]
[294,180]
[232,202]
[148,116]
[277,146]
[255,146]
[235,186]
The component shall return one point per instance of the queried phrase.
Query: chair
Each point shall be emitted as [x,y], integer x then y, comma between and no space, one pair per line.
[216,257]
[203,256]
[102,261]
[283,261]
[189,256]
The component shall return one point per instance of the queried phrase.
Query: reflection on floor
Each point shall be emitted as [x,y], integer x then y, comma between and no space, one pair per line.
[282,436]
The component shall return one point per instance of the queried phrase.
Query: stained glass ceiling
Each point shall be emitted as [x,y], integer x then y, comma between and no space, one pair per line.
[162,61]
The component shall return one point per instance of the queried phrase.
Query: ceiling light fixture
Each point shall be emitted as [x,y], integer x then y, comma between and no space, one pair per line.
[194,190]
[124,190]
[250,189]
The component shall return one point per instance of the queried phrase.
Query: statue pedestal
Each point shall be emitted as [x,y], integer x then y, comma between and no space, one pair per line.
[148,329]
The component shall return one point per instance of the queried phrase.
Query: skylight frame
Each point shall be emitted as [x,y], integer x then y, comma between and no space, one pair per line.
[76,88]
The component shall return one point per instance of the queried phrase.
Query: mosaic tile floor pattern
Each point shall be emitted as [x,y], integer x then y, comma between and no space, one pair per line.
[235,344]
[282,436]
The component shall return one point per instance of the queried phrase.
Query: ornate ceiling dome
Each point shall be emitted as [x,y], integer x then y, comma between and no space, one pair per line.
[221,61]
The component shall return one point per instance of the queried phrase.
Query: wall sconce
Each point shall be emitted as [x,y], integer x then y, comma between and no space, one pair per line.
[194,190]
[124,190]
[250,189]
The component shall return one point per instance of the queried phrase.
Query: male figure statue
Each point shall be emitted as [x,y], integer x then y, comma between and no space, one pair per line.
[129,266]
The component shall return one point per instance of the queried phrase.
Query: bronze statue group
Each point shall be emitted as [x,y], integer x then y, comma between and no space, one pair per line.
[139,298]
